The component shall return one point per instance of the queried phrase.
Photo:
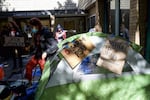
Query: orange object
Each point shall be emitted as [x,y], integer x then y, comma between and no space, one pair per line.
[31,65]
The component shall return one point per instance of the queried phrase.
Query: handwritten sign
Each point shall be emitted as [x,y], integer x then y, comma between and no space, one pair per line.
[113,55]
[14,42]
[77,50]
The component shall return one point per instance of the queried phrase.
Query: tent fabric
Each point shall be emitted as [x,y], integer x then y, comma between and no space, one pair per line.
[125,88]
[64,75]
[46,75]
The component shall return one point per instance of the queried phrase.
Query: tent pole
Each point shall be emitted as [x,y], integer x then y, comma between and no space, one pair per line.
[117,17]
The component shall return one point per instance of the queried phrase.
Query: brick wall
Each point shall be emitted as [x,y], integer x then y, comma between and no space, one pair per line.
[133,24]
[138,22]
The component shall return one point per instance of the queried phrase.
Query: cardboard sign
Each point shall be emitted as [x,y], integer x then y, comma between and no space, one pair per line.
[76,50]
[14,42]
[113,55]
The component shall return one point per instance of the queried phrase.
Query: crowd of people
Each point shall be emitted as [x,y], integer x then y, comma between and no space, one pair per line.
[43,43]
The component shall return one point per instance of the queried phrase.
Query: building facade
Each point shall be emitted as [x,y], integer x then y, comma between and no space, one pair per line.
[103,12]
[140,25]
[134,13]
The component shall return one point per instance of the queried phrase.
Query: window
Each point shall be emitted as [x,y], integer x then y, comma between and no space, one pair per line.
[91,21]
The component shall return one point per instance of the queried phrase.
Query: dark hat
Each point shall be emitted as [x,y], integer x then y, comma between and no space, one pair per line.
[59,26]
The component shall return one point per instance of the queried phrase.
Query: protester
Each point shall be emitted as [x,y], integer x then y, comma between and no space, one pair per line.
[124,32]
[60,33]
[45,45]
[16,52]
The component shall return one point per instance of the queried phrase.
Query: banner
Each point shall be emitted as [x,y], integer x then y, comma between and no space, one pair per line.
[75,51]
[14,42]
[113,55]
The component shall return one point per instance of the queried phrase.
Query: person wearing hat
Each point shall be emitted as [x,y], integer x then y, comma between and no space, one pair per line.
[44,44]
[60,33]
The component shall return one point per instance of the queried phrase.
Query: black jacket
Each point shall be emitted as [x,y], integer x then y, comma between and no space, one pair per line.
[46,43]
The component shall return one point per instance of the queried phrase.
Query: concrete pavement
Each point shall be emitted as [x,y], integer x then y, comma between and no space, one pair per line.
[14,74]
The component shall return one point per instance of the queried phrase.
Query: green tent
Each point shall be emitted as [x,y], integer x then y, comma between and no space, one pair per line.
[61,82]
